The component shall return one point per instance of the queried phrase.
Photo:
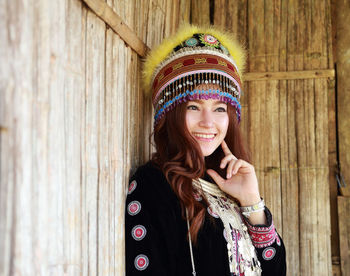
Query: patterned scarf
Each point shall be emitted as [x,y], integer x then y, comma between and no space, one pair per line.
[241,252]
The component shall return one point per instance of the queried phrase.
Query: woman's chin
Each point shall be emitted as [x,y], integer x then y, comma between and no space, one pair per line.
[207,152]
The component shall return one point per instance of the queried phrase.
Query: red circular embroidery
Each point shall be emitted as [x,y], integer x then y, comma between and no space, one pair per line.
[134,208]
[210,39]
[132,187]
[138,232]
[269,253]
[141,262]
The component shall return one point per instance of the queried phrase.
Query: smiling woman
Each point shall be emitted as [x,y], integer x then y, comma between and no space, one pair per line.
[207,121]
[196,207]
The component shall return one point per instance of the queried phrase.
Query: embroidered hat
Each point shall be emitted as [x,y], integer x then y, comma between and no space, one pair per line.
[193,57]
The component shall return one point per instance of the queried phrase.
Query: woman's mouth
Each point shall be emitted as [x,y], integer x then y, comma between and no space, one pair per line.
[204,136]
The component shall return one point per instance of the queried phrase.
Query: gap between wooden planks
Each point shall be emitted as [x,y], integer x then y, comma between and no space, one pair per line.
[106,13]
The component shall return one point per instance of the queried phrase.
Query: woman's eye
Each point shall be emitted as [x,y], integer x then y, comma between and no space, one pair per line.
[192,107]
[221,109]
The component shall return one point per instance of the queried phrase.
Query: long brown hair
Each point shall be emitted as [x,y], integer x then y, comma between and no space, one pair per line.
[179,157]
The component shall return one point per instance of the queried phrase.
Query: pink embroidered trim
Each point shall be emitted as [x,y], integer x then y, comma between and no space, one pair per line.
[262,236]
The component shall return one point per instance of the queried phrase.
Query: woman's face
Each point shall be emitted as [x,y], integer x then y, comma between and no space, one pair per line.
[207,121]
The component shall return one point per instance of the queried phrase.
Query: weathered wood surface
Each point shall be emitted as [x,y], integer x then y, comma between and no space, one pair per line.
[289,75]
[343,83]
[287,120]
[344,234]
[200,13]
[74,125]
[106,13]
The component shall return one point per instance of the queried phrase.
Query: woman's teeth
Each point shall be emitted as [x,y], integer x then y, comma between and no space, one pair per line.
[206,136]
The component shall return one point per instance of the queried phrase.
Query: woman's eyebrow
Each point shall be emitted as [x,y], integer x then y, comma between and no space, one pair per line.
[221,102]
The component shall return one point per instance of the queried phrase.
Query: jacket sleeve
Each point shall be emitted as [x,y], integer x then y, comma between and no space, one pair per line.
[150,229]
[269,246]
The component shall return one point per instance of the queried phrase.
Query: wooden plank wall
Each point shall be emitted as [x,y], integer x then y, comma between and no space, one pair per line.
[74,125]
[343,102]
[286,121]
[344,233]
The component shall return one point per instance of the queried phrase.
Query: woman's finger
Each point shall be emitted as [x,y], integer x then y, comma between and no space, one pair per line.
[225,149]
[230,168]
[242,166]
[237,165]
[227,159]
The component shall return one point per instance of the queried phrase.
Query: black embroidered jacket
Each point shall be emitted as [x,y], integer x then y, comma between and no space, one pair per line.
[156,234]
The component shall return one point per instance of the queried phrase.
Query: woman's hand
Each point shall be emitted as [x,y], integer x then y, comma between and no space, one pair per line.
[241,182]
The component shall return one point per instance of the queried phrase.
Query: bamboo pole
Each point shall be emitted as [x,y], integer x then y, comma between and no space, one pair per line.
[289,75]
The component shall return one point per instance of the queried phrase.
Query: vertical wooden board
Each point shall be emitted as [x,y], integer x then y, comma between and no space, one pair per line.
[257,90]
[332,132]
[171,17]
[323,197]
[17,72]
[272,34]
[109,230]
[55,181]
[294,61]
[271,112]
[307,177]
[74,100]
[343,90]
[7,88]
[271,152]
[289,176]
[264,97]
[232,15]
[116,88]
[317,57]
[104,197]
[184,12]
[287,139]
[155,18]
[176,13]
[220,8]
[332,135]
[22,239]
[344,234]
[200,12]
[141,18]
[132,78]
[95,45]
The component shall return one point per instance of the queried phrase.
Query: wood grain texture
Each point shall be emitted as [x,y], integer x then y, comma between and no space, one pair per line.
[289,75]
[343,85]
[200,12]
[74,124]
[344,234]
[103,10]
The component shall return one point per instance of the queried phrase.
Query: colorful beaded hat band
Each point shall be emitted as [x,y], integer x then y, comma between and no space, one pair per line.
[174,71]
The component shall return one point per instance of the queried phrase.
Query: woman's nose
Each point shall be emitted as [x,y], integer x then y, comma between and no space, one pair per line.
[207,119]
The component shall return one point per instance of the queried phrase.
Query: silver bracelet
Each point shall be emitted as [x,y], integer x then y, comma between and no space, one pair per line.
[247,210]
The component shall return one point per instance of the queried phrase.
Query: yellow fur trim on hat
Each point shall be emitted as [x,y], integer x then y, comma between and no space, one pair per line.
[162,51]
